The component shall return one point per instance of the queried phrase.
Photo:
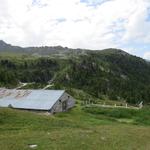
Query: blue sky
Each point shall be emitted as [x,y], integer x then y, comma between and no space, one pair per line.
[89,24]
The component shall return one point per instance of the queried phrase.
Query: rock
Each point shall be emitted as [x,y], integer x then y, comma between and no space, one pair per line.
[103,138]
[32,145]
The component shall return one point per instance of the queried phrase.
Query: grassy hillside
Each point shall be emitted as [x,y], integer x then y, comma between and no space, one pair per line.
[77,129]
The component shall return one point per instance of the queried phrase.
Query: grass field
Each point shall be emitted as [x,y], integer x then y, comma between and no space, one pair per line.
[78,129]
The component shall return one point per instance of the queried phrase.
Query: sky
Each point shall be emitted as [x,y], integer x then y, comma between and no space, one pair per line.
[88,24]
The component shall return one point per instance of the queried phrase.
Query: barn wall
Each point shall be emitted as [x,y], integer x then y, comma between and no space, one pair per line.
[58,105]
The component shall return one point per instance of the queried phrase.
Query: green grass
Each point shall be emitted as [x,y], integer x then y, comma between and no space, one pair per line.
[77,129]
[140,117]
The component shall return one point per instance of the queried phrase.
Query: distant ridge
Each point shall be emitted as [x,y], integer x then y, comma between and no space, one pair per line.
[114,51]
[54,50]
[4,47]
[43,50]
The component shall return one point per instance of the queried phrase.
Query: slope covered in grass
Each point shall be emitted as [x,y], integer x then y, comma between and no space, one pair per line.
[76,129]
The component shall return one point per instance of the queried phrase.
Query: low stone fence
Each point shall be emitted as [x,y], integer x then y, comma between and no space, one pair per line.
[111,106]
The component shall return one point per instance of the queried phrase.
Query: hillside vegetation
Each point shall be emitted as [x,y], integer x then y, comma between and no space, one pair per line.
[80,128]
[107,74]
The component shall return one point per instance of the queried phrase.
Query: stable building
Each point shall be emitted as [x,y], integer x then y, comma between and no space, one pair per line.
[51,101]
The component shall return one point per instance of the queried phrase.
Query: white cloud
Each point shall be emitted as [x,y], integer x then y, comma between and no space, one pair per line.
[137,28]
[72,23]
[147,55]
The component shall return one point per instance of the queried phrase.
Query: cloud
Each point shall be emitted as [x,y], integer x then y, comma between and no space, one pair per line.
[94,2]
[92,24]
[137,28]
[146,55]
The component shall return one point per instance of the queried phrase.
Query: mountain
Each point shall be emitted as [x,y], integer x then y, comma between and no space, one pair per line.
[40,51]
[110,73]
[5,48]
[106,74]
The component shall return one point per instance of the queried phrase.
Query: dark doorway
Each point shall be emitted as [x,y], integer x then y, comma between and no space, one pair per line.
[64,105]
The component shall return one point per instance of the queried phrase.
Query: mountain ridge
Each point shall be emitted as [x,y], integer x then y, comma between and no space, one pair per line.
[49,50]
